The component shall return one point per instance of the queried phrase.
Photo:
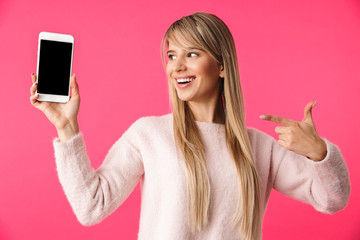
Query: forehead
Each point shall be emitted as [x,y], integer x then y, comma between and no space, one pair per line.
[180,41]
[174,46]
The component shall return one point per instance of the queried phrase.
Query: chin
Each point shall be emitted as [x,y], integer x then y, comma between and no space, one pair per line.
[184,99]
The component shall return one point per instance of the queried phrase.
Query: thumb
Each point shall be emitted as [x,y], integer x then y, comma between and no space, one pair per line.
[308,112]
[73,85]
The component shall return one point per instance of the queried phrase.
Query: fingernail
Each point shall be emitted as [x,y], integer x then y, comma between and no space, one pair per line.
[32,74]
[34,84]
[263,117]
[313,104]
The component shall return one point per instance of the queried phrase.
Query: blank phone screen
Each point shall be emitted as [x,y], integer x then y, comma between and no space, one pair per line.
[54,67]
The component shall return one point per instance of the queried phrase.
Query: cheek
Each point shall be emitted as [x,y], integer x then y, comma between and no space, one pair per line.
[168,75]
[167,71]
[206,67]
[209,72]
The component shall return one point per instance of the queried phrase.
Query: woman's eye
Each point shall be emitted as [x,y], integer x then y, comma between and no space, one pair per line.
[171,57]
[192,54]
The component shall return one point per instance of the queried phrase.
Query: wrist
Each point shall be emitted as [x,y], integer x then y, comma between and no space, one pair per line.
[319,152]
[68,130]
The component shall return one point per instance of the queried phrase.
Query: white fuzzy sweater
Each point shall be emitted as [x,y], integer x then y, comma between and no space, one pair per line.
[147,153]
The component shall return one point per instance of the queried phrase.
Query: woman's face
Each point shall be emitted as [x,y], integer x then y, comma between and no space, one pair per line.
[194,73]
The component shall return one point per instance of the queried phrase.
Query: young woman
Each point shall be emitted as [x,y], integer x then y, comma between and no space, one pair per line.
[203,174]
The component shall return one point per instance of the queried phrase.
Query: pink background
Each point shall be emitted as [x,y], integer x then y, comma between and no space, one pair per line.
[290,52]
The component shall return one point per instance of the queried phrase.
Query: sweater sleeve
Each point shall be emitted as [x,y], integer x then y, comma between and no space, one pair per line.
[95,194]
[324,184]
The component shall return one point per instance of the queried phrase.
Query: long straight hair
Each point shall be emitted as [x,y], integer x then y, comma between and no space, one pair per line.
[209,33]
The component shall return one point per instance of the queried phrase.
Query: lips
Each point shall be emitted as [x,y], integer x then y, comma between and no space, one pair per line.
[184,81]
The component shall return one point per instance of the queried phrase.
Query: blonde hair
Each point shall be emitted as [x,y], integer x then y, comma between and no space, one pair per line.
[209,33]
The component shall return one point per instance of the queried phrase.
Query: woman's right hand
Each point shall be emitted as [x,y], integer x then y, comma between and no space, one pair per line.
[62,115]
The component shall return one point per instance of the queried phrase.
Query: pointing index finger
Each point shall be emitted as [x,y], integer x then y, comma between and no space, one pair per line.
[277,119]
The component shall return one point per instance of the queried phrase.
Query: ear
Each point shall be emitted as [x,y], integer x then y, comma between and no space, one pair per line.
[221,74]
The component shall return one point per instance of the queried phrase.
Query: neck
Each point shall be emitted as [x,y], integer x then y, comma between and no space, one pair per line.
[211,111]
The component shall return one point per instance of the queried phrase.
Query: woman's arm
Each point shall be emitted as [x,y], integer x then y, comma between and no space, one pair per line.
[95,194]
[307,167]
[324,184]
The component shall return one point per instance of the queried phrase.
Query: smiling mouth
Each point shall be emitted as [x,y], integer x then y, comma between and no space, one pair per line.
[184,80]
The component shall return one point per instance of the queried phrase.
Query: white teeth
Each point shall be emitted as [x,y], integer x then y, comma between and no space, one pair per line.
[184,80]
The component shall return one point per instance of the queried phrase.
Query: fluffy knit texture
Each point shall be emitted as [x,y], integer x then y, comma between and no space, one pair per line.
[146,152]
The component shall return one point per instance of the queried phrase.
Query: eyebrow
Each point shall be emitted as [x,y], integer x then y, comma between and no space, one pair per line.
[187,49]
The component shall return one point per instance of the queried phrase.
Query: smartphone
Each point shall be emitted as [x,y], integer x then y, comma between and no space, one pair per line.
[54,66]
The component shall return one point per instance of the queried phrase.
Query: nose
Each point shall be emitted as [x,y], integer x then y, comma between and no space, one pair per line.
[179,65]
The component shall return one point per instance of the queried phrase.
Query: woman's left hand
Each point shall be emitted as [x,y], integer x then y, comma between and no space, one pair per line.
[300,137]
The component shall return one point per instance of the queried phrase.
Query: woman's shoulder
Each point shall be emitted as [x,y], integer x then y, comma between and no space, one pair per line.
[150,129]
[262,144]
[152,123]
